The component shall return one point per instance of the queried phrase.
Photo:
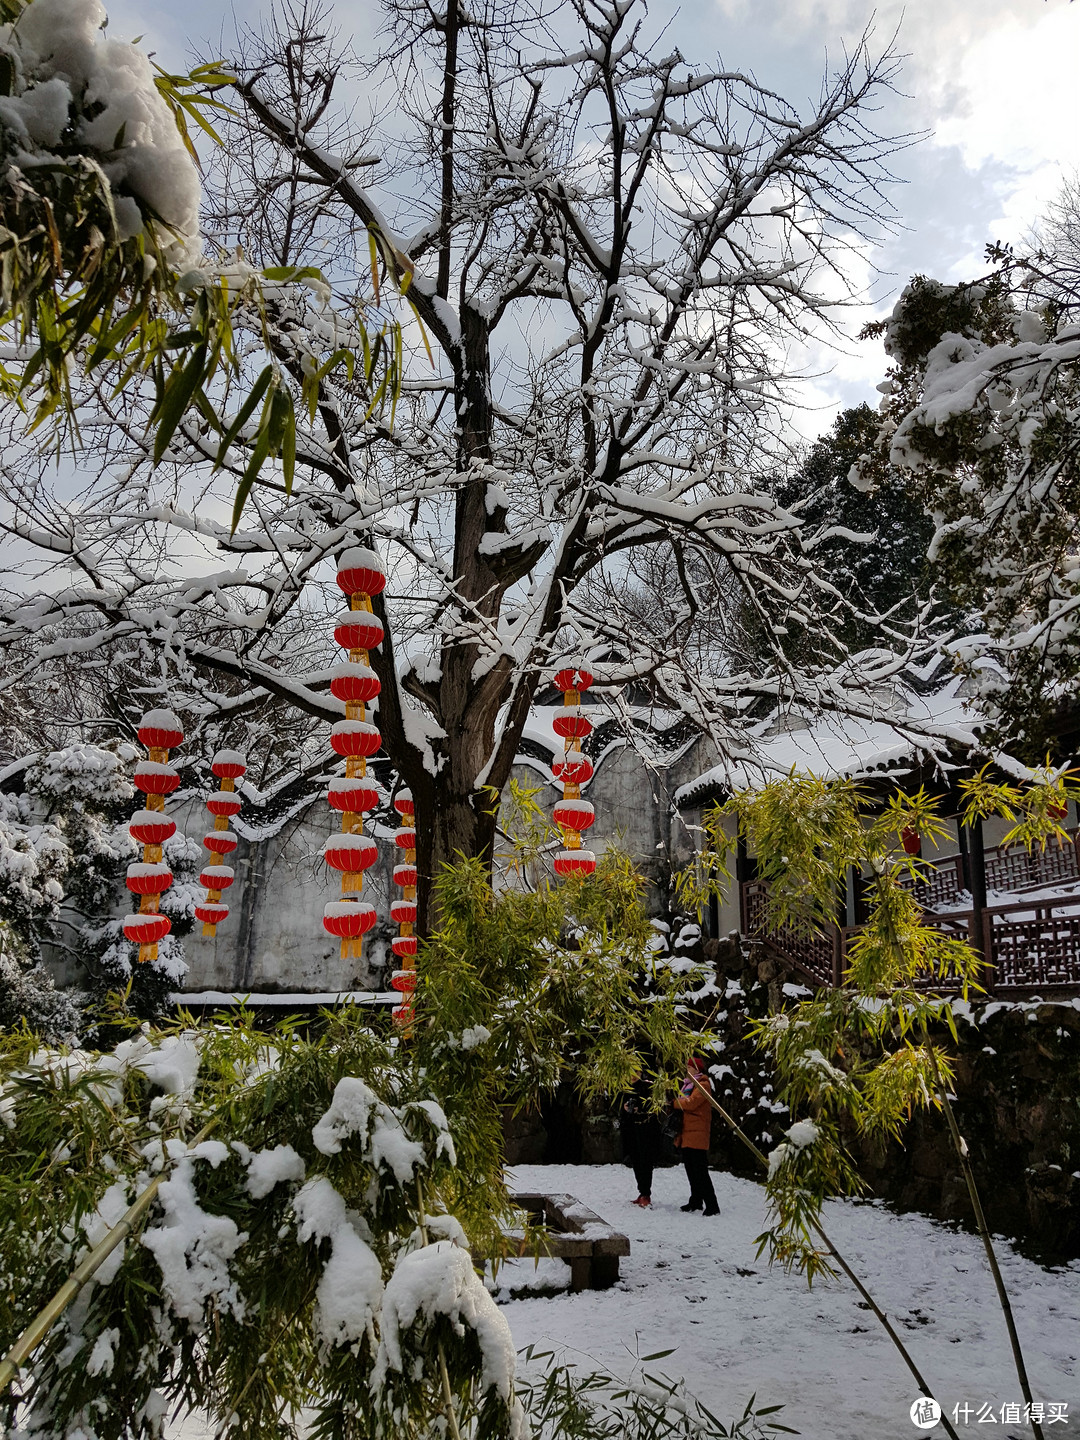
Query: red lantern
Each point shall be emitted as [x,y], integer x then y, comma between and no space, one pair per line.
[361,572]
[404,980]
[1058,812]
[220,842]
[146,929]
[154,778]
[160,730]
[572,725]
[403,911]
[150,827]
[348,919]
[574,814]
[575,862]
[217,877]
[222,802]
[403,1015]
[359,630]
[354,683]
[350,853]
[353,796]
[228,765]
[572,680]
[911,840]
[211,913]
[355,738]
[573,770]
[148,879]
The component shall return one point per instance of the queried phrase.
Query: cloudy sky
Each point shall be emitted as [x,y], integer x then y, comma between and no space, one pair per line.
[992,82]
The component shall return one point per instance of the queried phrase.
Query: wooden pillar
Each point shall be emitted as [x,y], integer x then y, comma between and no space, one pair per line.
[743,873]
[965,853]
[972,849]
[851,906]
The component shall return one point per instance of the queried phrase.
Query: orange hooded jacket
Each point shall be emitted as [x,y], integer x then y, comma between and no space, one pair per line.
[697,1114]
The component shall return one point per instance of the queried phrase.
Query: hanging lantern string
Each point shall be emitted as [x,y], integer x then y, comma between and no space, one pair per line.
[228,766]
[357,630]
[403,912]
[160,731]
[572,814]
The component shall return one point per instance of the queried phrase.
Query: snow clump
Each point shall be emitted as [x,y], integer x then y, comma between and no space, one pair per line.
[76,93]
[193,1249]
[350,1290]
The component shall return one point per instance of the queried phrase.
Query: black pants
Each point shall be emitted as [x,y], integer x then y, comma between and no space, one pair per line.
[702,1194]
[643,1168]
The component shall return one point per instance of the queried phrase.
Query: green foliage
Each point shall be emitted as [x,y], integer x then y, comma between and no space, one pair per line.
[523,990]
[80,296]
[980,425]
[861,1059]
[243,1297]
[648,1406]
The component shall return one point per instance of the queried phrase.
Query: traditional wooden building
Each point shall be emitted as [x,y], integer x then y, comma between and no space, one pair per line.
[1020,909]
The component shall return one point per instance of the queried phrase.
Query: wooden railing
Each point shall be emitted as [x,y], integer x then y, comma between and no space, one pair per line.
[1029,946]
[817,957]
[1006,869]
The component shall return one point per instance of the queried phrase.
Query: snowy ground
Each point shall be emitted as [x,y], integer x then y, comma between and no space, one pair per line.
[738,1327]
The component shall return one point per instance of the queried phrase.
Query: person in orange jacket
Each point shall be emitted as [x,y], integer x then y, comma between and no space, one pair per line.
[693,1101]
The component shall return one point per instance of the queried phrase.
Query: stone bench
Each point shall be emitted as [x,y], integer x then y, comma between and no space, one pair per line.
[576,1234]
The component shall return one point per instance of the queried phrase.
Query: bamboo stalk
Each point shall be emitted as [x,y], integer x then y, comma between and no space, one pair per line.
[879,1314]
[961,1149]
[47,1317]
[449,1409]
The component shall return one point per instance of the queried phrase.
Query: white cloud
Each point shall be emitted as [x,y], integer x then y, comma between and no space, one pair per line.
[1018,110]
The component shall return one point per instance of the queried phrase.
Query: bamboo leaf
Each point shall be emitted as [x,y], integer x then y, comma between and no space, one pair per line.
[244,414]
[178,395]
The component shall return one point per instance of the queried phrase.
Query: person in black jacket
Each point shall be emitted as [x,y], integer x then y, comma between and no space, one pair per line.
[640,1128]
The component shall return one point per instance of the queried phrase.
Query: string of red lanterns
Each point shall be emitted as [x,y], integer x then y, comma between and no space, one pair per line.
[228,766]
[572,814]
[160,731]
[360,575]
[403,911]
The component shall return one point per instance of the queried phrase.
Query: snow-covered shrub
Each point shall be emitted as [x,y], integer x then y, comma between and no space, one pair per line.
[64,847]
[304,1252]
[27,993]
[33,857]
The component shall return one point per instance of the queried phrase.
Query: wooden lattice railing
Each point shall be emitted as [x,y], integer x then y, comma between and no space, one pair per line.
[815,956]
[1006,869]
[1030,947]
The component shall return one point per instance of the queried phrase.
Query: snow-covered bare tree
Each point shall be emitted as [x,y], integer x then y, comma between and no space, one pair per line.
[613,254]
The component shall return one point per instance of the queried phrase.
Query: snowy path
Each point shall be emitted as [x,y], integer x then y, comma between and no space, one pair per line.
[739,1327]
